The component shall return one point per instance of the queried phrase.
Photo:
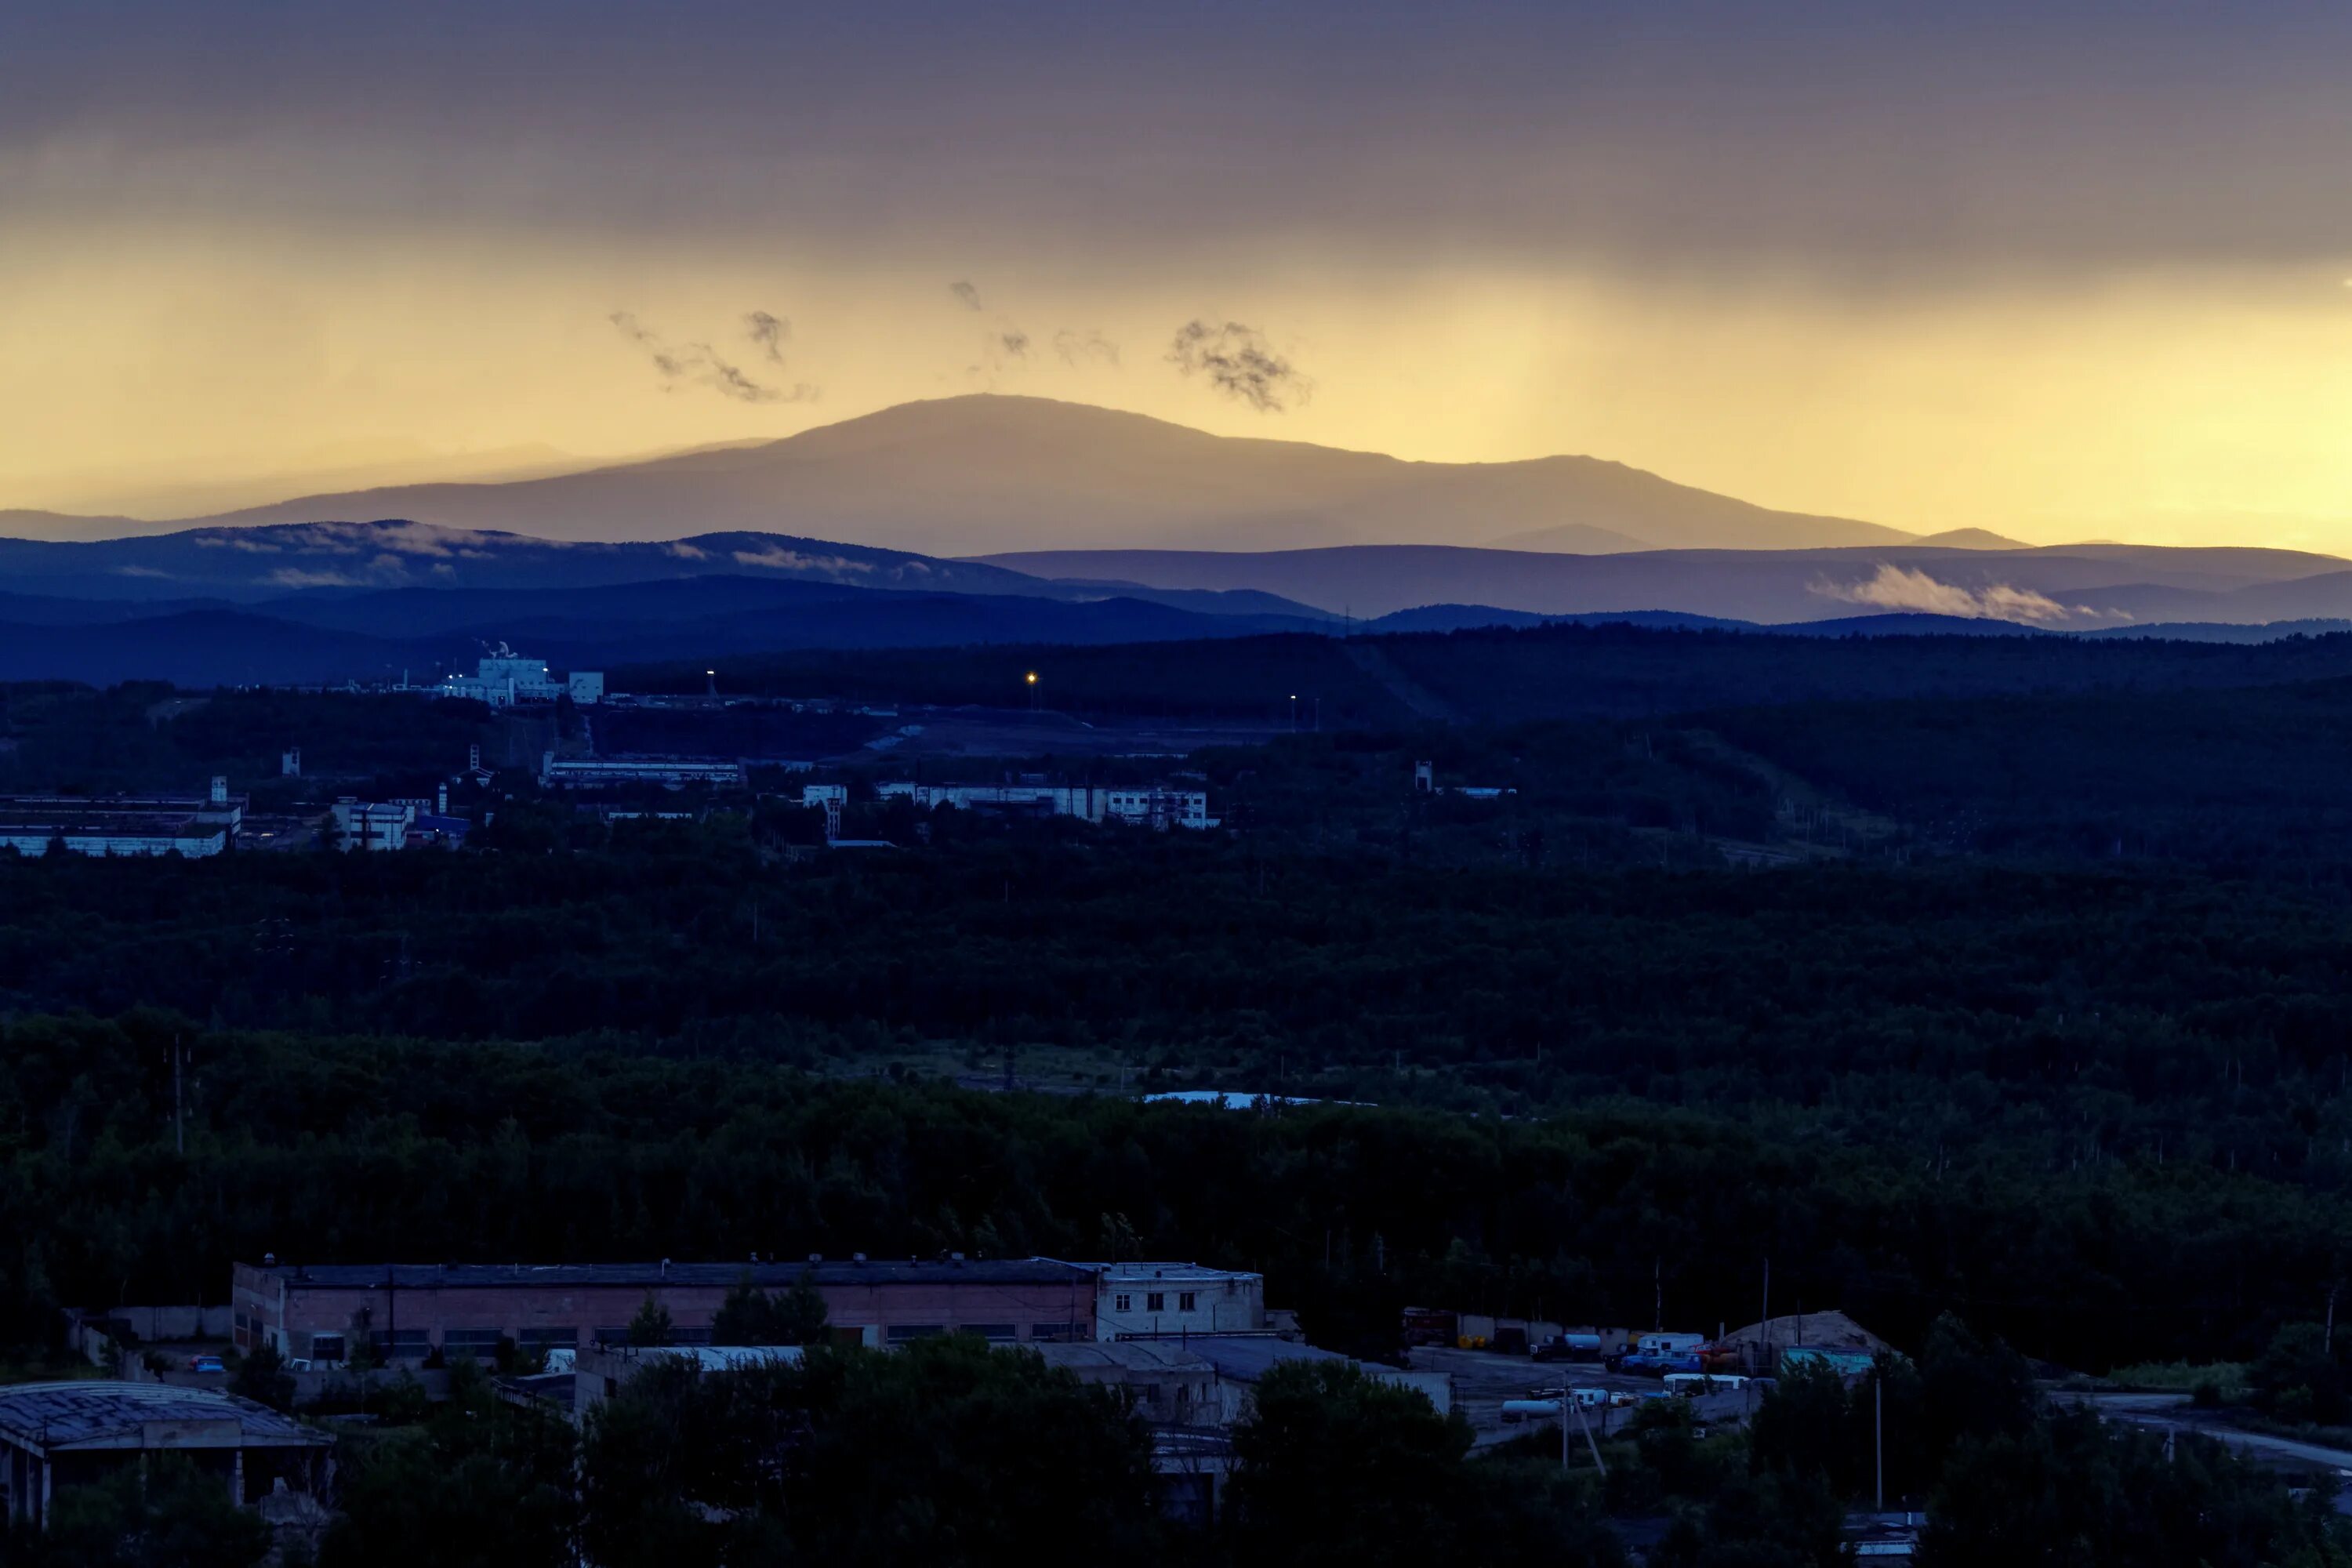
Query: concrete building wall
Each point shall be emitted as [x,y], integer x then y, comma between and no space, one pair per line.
[372,825]
[1177,1299]
[193,842]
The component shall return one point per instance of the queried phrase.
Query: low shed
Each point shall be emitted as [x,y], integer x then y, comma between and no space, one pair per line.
[58,1435]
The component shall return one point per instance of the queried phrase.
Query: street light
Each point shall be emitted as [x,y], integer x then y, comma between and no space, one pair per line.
[1032,680]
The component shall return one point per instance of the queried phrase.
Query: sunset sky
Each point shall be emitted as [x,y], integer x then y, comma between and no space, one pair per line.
[2058,272]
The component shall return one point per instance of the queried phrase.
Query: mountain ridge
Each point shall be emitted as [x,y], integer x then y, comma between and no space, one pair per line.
[987,473]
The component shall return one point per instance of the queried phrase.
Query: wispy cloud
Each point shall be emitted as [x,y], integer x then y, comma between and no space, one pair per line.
[1077,348]
[966,294]
[1239,363]
[1893,587]
[778,558]
[769,333]
[700,365]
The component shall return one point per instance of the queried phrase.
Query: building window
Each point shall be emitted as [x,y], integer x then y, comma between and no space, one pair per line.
[1053,1332]
[908,1334]
[1118,1304]
[1185,1300]
[549,1339]
[1155,1302]
[479,1343]
[408,1344]
[995,1333]
[326,1347]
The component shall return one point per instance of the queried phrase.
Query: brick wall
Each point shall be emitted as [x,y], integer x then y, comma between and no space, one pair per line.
[289,1313]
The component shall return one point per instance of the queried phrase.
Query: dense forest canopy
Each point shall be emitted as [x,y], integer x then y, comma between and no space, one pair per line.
[1997,977]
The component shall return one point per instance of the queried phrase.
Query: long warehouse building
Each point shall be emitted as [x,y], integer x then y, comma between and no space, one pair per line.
[405,1311]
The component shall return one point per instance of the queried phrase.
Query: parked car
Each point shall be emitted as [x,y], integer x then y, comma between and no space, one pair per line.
[206,1363]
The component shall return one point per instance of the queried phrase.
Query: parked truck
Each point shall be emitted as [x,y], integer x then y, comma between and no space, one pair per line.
[1570,1347]
[1429,1326]
[1656,1353]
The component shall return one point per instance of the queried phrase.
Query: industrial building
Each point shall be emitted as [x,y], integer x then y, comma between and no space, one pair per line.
[1168,1383]
[56,1436]
[1157,805]
[671,773]
[600,1372]
[123,824]
[1159,1300]
[372,824]
[506,678]
[406,1311]
[1242,1359]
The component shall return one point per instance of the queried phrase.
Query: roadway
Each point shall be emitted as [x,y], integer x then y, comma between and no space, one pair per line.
[2170,1412]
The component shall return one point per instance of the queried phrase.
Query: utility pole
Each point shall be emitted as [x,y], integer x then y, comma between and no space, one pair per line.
[1658,1285]
[1878,1431]
[1568,1404]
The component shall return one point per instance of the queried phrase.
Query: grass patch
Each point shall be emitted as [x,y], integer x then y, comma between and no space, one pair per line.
[2182,1377]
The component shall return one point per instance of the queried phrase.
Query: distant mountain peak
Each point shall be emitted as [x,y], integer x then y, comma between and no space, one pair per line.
[1969,539]
[986,473]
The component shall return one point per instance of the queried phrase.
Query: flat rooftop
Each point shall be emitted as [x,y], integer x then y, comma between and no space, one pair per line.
[108,825]
[1248,1358]
[1199,1272]
[833,1273]
[1126,1356]
[110,1415]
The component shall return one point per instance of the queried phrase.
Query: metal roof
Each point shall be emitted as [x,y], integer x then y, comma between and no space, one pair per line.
[1141,1273]
[1248,1357]
[103,1415]
[1126,1355]
[832,1273]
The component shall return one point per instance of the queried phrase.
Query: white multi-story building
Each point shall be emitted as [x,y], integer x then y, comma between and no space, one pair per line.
[1155,806]
[112,833]
[372,824]
[1176,1299]
[1159,808]
[122,824]
[505,678]
[675,772]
